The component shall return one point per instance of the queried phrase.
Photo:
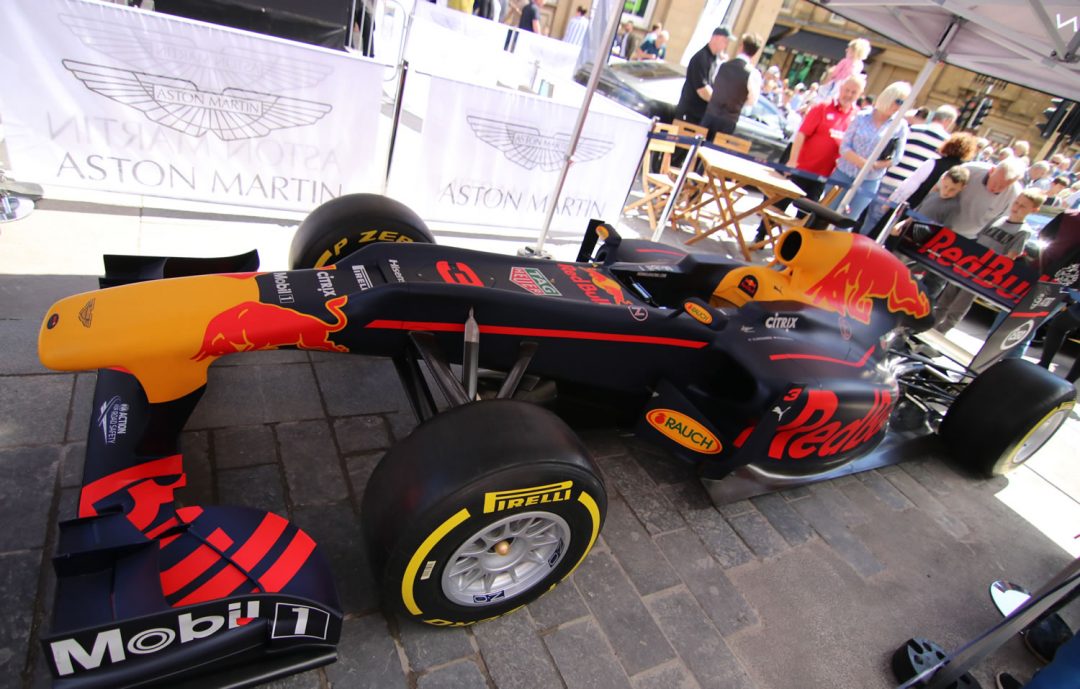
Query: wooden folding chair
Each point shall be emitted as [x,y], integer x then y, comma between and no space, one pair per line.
[695,182]
[656,186]
[733,143]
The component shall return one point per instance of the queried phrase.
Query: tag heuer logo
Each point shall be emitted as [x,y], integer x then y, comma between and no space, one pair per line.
[527,147]
[179,104]
[534,281]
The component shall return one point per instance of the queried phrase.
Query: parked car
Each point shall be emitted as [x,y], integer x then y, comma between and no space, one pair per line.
[652,88]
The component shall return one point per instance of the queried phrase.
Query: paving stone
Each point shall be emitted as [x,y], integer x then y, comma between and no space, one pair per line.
[35,409]
[361,434]
[635,551]
[360,468]
[312,679]
[885,491]
[661,466]
[640,493]
[271,357]
[674,675]
[250,395]
[756,532]
[244,446]
[402,423]
[199,490]
[793,494]
[633,634]
[360,385]
[336,529]
[696,641]
[838,536]
[583,659]
[602,444]
[68,507]
[312,468]
[259,487]
[784,518]
[515,656]
[427,646]
[734,509]
[71,465]
[718,536]
[18,591]
[560,605]
[372,660]
[839,504]
[18,342]
[704,578]
[463,675]
[82,407]
[926,501]
[29,296]
[27,481]
[927,478]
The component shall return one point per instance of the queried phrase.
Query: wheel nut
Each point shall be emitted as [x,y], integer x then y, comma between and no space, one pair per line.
[502,547]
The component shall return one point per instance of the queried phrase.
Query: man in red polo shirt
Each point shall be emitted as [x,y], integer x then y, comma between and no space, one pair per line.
[816,146]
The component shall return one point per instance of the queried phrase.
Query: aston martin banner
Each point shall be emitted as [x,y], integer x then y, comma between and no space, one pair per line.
[491,156]
[102,96]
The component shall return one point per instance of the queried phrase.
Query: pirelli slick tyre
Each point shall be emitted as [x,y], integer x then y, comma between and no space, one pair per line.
[481,510]
[1005,415]
[342,225]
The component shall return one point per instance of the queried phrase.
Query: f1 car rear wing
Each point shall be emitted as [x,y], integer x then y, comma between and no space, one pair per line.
[1007,283]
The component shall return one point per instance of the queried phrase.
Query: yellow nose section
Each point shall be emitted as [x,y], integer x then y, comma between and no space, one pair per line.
[155,330]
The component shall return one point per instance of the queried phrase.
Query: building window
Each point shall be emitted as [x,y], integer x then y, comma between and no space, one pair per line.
[640,11]
[836,19]
[788,6]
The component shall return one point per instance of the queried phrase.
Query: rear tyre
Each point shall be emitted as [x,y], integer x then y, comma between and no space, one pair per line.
[340,226]
[1005,415]
[481,510]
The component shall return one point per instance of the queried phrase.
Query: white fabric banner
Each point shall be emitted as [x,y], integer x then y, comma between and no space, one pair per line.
[450,43]
[101,96]
[492,156]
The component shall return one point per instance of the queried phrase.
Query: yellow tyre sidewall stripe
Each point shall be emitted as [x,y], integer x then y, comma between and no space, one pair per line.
[421,554]
[594,512]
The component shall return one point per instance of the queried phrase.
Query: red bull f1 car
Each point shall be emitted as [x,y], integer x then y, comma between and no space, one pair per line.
[792,370]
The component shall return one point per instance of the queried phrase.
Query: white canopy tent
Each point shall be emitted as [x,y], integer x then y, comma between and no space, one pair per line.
[1033,43]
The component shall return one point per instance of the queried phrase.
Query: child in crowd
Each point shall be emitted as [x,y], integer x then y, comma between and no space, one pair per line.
[942,205]
[1005,236]
[857,51]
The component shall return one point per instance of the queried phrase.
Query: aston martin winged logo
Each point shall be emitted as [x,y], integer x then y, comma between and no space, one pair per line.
[528,147]
[179,104]
[182,56]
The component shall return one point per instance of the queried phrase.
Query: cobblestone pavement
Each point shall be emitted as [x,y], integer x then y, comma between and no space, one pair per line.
[811,587]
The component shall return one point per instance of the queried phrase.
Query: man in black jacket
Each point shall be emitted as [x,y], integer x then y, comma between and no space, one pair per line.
[737,84]
[700,73]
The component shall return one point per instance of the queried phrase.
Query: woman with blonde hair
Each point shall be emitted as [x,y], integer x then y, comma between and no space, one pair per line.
[857,50]
[862,135]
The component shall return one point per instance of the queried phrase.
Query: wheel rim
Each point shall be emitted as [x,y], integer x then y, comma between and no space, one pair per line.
[506,558]
[1038,436]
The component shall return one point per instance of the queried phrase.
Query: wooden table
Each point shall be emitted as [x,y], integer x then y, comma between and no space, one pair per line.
[725,175]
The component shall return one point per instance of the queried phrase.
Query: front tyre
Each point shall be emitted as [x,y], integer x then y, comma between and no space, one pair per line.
[480,511]
[343,225]
[1005,415]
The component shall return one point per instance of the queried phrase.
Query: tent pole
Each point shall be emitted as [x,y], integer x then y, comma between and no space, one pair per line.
[600,58]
